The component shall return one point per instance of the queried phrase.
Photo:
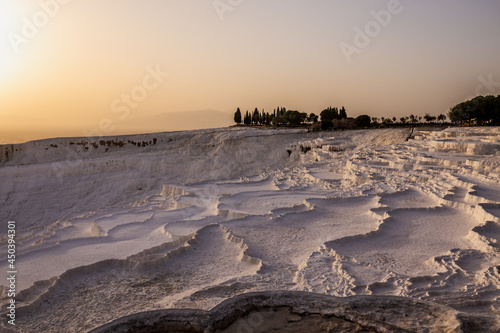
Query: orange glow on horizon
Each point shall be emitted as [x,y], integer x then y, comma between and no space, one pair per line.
[79,57]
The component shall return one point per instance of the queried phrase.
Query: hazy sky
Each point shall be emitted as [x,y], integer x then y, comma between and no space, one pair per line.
[87,64]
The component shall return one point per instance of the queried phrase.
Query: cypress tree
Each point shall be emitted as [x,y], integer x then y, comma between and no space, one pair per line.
[343,113]
[256,117]
[247,118]
[237,116]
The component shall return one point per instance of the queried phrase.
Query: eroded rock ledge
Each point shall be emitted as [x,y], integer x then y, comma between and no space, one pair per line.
[306,312]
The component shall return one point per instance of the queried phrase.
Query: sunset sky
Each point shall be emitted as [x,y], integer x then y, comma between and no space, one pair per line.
[71,68]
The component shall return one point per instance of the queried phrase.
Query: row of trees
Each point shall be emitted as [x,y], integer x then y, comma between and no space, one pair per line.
[412,119]
[481,110]
[283,117]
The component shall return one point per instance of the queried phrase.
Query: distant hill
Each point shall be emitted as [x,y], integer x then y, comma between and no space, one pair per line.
[135,124]
[176,121]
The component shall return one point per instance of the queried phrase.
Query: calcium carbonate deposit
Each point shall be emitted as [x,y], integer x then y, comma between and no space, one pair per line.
[110,227]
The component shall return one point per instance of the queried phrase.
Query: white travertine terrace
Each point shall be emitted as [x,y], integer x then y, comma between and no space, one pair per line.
[111,227]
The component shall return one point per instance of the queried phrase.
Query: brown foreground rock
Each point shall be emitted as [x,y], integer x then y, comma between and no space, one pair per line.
[286,311]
